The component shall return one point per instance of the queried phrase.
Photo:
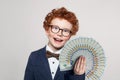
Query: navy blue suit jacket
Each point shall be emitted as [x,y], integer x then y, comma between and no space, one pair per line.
[38,69]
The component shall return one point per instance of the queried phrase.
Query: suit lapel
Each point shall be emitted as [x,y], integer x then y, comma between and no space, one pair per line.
[59,75]
[44,60]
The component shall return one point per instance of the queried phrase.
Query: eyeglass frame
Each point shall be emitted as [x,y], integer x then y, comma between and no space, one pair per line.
[51,26]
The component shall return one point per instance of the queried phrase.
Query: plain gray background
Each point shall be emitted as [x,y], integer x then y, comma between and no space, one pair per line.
[21,31]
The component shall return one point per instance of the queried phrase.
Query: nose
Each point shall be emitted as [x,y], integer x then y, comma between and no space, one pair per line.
[59,33]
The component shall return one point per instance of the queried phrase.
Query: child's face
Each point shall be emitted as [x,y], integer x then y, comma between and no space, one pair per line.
[58,39]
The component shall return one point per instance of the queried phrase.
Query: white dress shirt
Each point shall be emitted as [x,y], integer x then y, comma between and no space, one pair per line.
[53,62]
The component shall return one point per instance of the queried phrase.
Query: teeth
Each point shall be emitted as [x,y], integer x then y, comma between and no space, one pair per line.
[57,39]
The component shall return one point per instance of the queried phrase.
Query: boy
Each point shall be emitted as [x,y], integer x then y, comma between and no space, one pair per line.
[60,24]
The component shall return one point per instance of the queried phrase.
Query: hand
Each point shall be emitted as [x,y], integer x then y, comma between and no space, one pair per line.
[80,65]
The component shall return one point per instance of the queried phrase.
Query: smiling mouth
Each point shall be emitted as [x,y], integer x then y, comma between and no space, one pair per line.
[58,40]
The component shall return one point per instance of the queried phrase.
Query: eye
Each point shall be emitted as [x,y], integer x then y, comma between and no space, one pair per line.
[66,30]
[55,27]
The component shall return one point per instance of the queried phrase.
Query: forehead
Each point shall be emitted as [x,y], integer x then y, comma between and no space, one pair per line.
[62,23]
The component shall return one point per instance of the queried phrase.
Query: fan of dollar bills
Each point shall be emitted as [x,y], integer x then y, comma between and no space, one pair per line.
[90,49]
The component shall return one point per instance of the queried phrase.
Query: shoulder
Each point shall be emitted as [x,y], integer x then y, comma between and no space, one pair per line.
[37,53]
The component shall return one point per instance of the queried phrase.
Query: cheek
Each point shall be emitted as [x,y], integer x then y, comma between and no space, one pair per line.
[66,39]
[49,34]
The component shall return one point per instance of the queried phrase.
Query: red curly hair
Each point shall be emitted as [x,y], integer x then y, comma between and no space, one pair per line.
[62,13]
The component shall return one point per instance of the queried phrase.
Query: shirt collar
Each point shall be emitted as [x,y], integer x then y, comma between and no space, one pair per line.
[56,52]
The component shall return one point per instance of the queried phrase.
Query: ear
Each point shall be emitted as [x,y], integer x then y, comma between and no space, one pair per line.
[69,37]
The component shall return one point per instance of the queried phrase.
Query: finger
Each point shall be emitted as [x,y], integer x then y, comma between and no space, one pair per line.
[78,64]
[83,65]
[76,67]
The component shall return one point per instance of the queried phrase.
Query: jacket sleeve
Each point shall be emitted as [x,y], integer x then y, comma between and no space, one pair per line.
[70,76]
[29,71]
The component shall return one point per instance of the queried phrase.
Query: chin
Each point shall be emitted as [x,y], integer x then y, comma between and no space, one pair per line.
[58,47]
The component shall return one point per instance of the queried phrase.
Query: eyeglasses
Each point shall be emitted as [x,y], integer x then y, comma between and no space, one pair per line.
[55,29]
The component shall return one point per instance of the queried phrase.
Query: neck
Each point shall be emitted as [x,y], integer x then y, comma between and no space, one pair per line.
[54,48]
